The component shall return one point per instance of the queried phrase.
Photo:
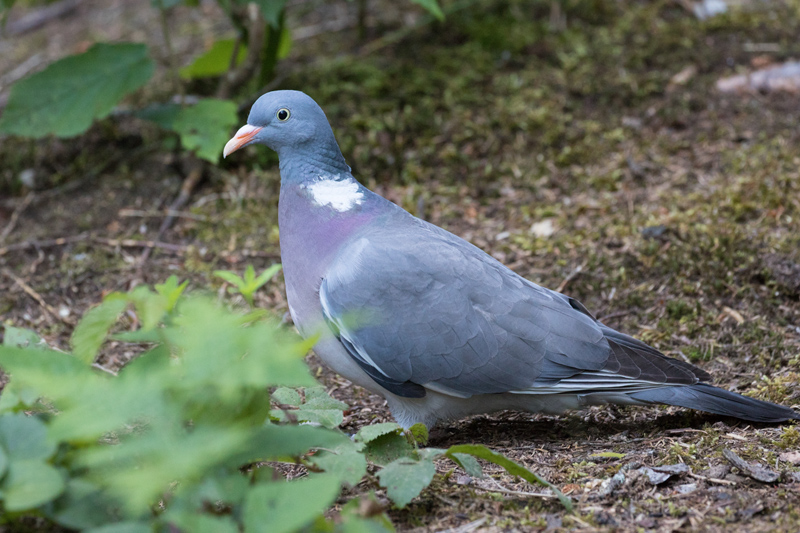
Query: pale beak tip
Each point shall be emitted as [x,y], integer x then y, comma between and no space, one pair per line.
[244,136]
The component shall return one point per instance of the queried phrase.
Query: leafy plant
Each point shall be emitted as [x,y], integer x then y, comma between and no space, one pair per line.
[186,435]
[176,424]
[66,97]
[249,283]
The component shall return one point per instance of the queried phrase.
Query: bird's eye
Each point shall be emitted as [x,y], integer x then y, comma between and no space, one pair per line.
[283,114]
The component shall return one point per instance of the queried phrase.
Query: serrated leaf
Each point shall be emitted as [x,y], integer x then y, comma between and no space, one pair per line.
[150,306]
[21,337]
[29,484]
[93,327]
[205,127]
[64,98]
[372,432]
[283,507]
[25,437]
[214,61]
[329,418]
[404,479]
[432,7]
[515,469]
[387,448]
[171,290]
[286,396]
[345,462]
[318,398]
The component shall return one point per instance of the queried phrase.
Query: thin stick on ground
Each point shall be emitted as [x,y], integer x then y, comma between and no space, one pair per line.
[12,222]
[36,296]
[187,187]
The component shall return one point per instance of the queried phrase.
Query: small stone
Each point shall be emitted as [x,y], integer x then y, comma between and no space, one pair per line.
[543,228]
[790,457]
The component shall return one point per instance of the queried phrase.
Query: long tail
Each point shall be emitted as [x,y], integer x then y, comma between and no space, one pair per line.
[704,397]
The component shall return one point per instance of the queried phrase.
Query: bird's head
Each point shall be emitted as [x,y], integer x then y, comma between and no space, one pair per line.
[280,120]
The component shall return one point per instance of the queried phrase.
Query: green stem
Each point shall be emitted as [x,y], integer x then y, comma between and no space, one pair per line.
[269,57]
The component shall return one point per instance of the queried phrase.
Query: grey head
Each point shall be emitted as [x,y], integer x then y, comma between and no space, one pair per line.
[292,124]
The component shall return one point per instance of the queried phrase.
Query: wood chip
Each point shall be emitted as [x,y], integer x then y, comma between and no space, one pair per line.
[754,470]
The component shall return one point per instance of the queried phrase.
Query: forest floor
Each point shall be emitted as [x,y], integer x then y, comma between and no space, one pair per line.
[598,158]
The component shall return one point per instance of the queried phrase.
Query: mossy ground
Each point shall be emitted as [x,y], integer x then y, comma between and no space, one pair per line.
[675,216]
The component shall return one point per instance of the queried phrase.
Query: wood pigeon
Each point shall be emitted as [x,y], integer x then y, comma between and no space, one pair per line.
[435,325]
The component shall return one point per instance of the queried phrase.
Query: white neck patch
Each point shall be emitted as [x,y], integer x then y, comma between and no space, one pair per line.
[341,195]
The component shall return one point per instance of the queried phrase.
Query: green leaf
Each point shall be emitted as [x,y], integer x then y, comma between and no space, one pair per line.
[122,527]
[162,114]
[150,306]
[470,465]
[609,455]
[515,469]
[25,437]
[271,9]
[318,398]
[196,522]
[286,396]
[230,277]
[205,127]
[267,275]
[372,432]
[82,505]
[283,507]
[387,448]
[432,6]
[171,290]
[68,95]
[405,478]
[21,337]
[93,327]
[3,462]
[29,484]
[214,61]
[345,462]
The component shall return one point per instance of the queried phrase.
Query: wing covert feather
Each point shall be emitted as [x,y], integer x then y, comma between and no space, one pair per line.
[442,313]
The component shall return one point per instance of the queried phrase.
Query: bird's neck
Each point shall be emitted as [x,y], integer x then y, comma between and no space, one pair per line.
[299,164]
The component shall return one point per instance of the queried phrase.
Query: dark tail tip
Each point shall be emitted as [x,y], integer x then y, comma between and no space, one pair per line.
[704,397]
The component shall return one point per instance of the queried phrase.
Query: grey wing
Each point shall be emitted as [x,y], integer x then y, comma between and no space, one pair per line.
[437,313]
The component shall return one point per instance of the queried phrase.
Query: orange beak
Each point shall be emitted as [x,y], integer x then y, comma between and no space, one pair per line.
[245,134]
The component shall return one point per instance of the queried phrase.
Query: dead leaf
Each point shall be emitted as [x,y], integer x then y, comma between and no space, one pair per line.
[734,314]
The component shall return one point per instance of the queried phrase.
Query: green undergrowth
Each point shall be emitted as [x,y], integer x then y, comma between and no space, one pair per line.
[193,432]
